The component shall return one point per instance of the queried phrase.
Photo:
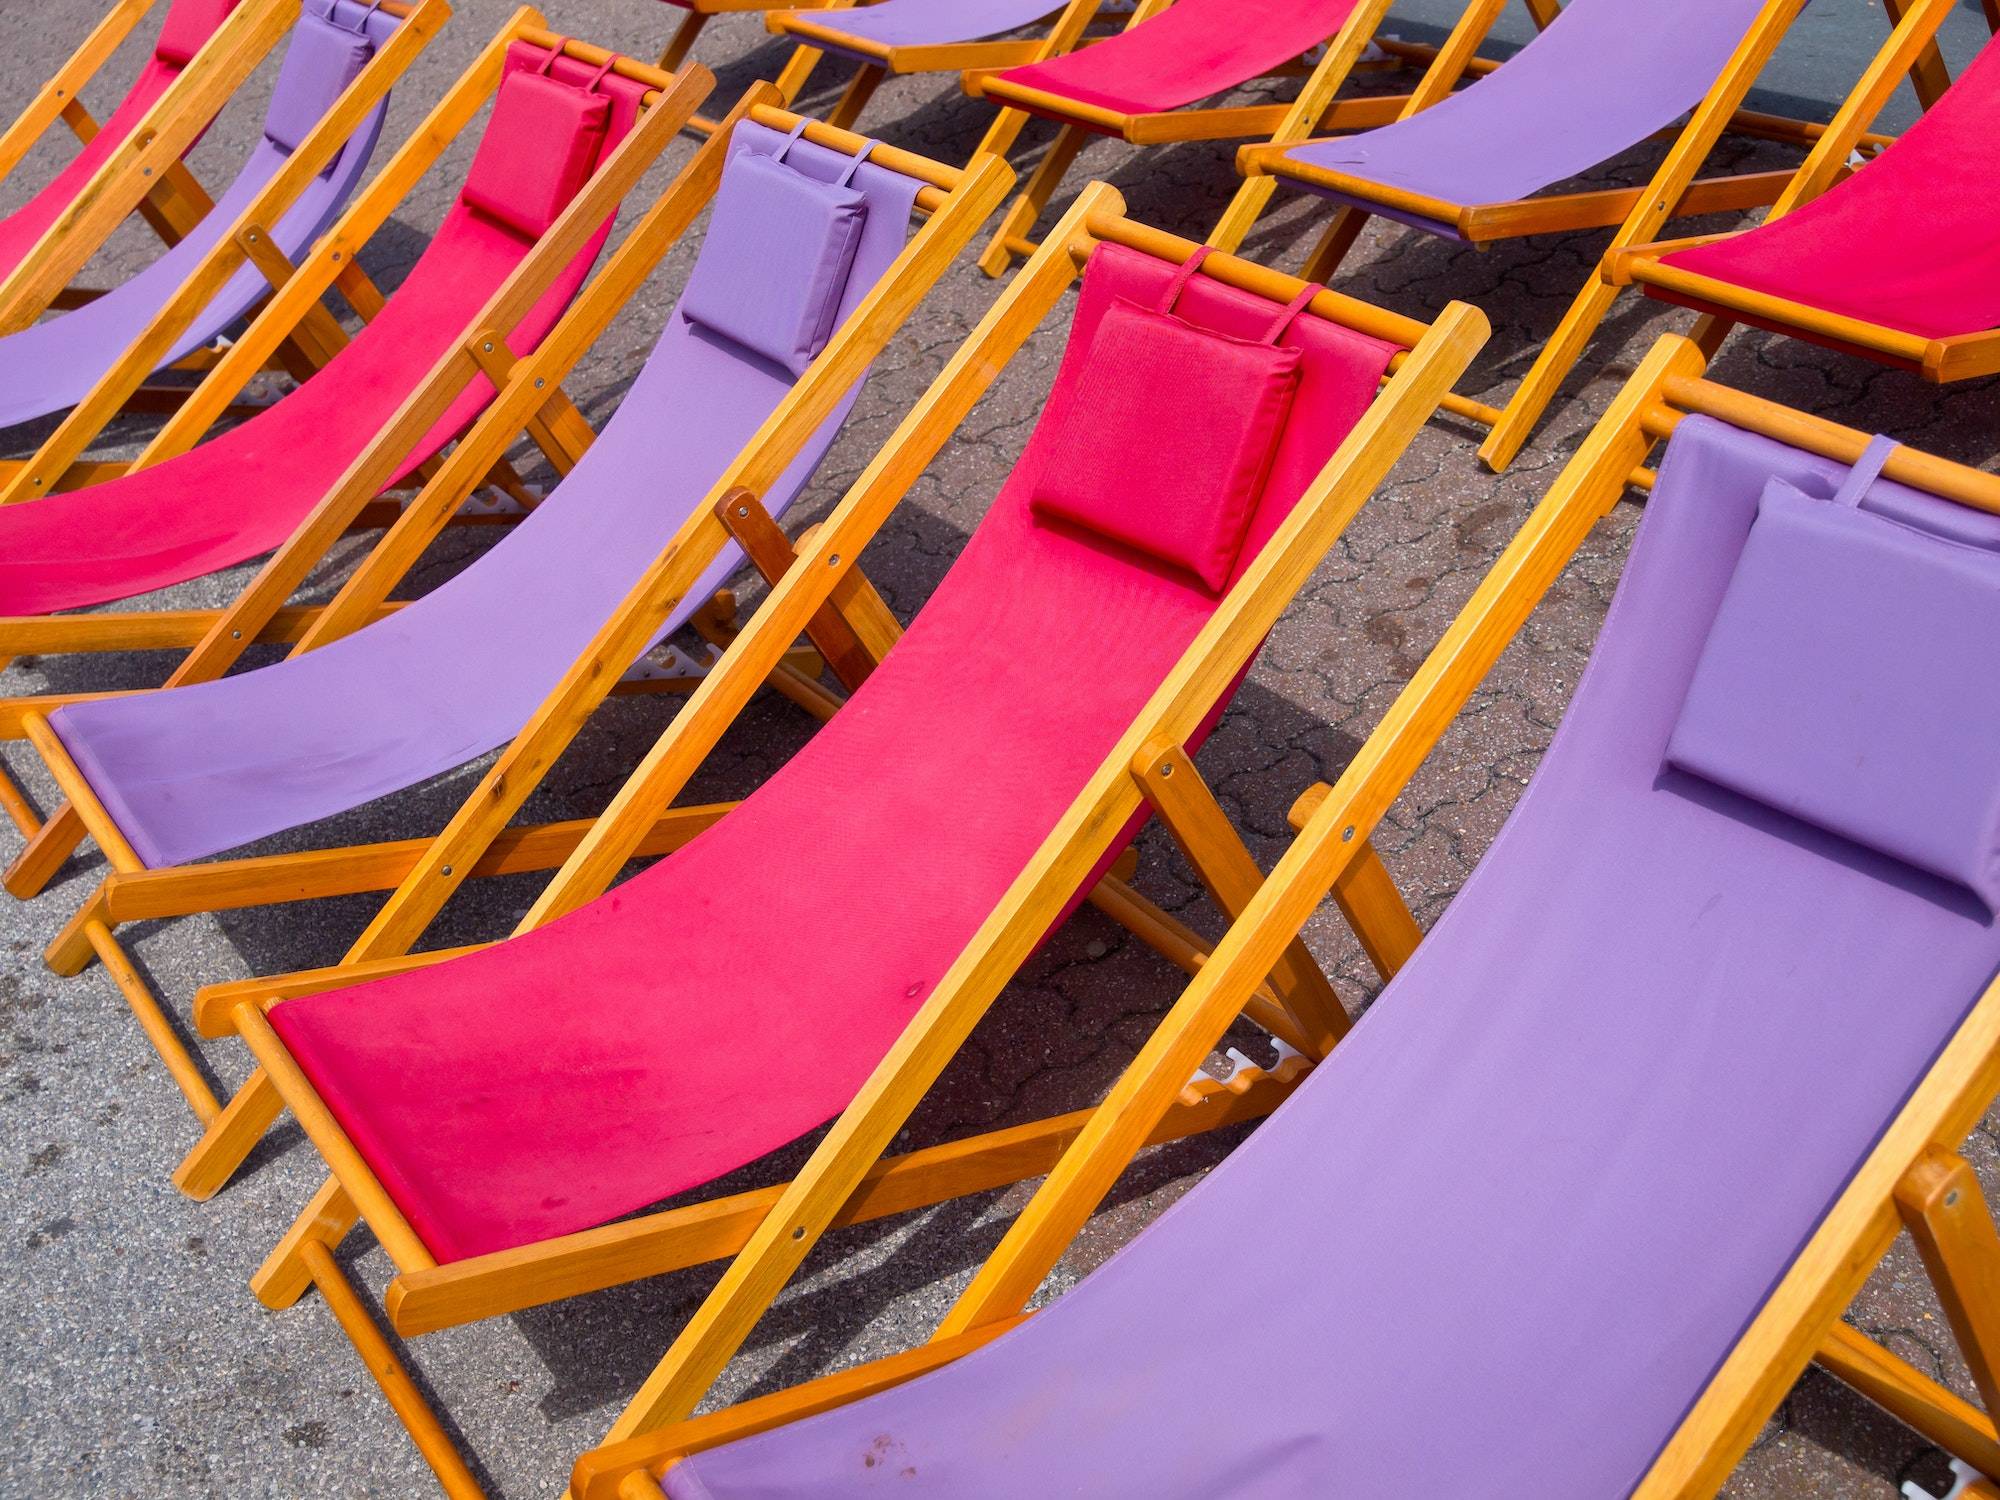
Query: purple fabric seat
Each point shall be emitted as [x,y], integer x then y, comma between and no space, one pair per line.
[1601,78]
[52,365]
[1551,1174]
[192,771]
[931,23]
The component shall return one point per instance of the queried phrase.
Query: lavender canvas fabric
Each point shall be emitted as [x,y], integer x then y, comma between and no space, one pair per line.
[924,23]
[191,771]
[1604,75]
[1549,1176]
[804,234]
[1821,585]
[53,364]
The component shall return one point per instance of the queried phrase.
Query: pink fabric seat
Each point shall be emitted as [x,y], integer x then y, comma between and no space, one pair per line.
[188,24]
[1189,51]
[678,1027]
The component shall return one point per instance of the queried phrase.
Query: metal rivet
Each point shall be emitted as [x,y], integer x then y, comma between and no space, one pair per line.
[799,1233]
[1167,769]
[1951,1199]
[540,383]
[146,172]
[336,257]
[236,635]
[447,869]
[1347,835]
[487,346]
[833,561]
[742,510]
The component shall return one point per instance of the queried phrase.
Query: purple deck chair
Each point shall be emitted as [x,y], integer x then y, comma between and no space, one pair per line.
[930,23]
[191,771]
[53,365]
[1500,1240]
[1600,79]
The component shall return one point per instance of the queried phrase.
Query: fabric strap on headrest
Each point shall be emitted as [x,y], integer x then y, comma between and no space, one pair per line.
[360,27]
[546,70]
[1867,469]
[797,133]
[1285,318]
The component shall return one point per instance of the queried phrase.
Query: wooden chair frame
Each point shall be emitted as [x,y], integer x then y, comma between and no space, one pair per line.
[1911,48]
[126,386]
[293,328]
[1911,1179]
[176,204]
[1315,108]
[772,1229]
[1068,25]
[215,639]
[146,169]
[421,874]
[1635,214]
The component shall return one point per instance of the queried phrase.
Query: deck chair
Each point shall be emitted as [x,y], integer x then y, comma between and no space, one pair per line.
[895,37]
[698,13]
[1895,261]
[296,180]
[205,50]
[1138,86]
[494,279]
[1603,1165]
[724,407]
[1600,78]
[958,840]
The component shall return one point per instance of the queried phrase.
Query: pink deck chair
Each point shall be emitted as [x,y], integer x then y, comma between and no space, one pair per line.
[1897,261]
[188,24]
[246,491]
[600,1075]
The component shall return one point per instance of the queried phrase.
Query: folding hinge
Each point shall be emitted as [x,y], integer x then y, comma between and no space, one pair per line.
[671,664]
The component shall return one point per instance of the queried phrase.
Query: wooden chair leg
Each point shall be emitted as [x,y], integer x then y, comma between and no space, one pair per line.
[853,630]
[1188,808]
[52,844]
[1334,243]
[1558,357]
[230,1137]
[411,1409]
[1940,1415]
[1251,196]
[1004,131]
[14,800]
[1367,897]
[284,1277]
[1944,1210]
[1012,238]
[791,79]
[682,41]
[1708,333]
[854,98]
[138,995]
